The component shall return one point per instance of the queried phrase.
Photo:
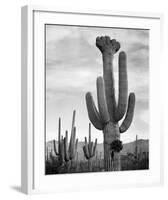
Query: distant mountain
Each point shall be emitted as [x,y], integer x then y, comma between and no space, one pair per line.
[143,146]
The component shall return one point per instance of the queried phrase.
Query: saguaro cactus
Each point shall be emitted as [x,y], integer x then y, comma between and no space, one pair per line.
[60,150]
[66,153]
[109,114]
[89,149]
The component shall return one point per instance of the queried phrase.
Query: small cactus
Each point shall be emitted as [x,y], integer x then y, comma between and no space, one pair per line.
[89,149]
[66,154]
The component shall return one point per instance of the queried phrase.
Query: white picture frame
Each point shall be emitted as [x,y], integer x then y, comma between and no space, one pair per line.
[33,179]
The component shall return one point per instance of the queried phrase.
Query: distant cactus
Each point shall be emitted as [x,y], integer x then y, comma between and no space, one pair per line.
[136,147]
[89,149]
[60,150]
[66,153]
[110,112]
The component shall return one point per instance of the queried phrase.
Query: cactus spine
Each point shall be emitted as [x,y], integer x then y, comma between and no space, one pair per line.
[89,149]
[66,154]
[110,113]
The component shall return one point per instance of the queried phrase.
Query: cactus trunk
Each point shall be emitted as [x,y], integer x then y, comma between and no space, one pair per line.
[111,130]
[89,164]
[108,77]
[111,133]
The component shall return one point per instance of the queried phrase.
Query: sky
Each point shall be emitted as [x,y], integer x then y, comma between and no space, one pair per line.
[73,62]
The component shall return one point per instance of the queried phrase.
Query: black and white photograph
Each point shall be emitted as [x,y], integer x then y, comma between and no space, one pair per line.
[96,99]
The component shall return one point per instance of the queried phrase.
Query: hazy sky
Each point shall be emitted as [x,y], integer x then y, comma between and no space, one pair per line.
[73,63]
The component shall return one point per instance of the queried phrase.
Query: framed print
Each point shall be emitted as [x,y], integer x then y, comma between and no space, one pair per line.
[90,110]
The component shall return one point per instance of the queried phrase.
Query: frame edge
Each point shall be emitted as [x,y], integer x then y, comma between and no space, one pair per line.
[27,112]
[24,150]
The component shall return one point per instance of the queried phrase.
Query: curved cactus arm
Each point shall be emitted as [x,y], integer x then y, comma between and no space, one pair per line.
[93,113]
[85,141]
[86,147]
[123,87]
[102,104]
[85,150]
[130,112]
[66,146]
[55,148]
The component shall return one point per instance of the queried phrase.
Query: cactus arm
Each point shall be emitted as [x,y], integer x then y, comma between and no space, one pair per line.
[62,150]
[76,146]
[59,134]
[89,133]
[129,115]
[102,105]
[86,147]
[90,148]
[123,88]
[85,141]
[93,113]
[72,144]
[73,120]
[85,152]
[66,146]
[74,140]
[72,131]
[94,149]
[89,142]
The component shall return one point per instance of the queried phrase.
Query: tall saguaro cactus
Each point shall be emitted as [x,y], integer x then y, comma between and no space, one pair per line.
[89,149]
[110,113]
[66,153]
